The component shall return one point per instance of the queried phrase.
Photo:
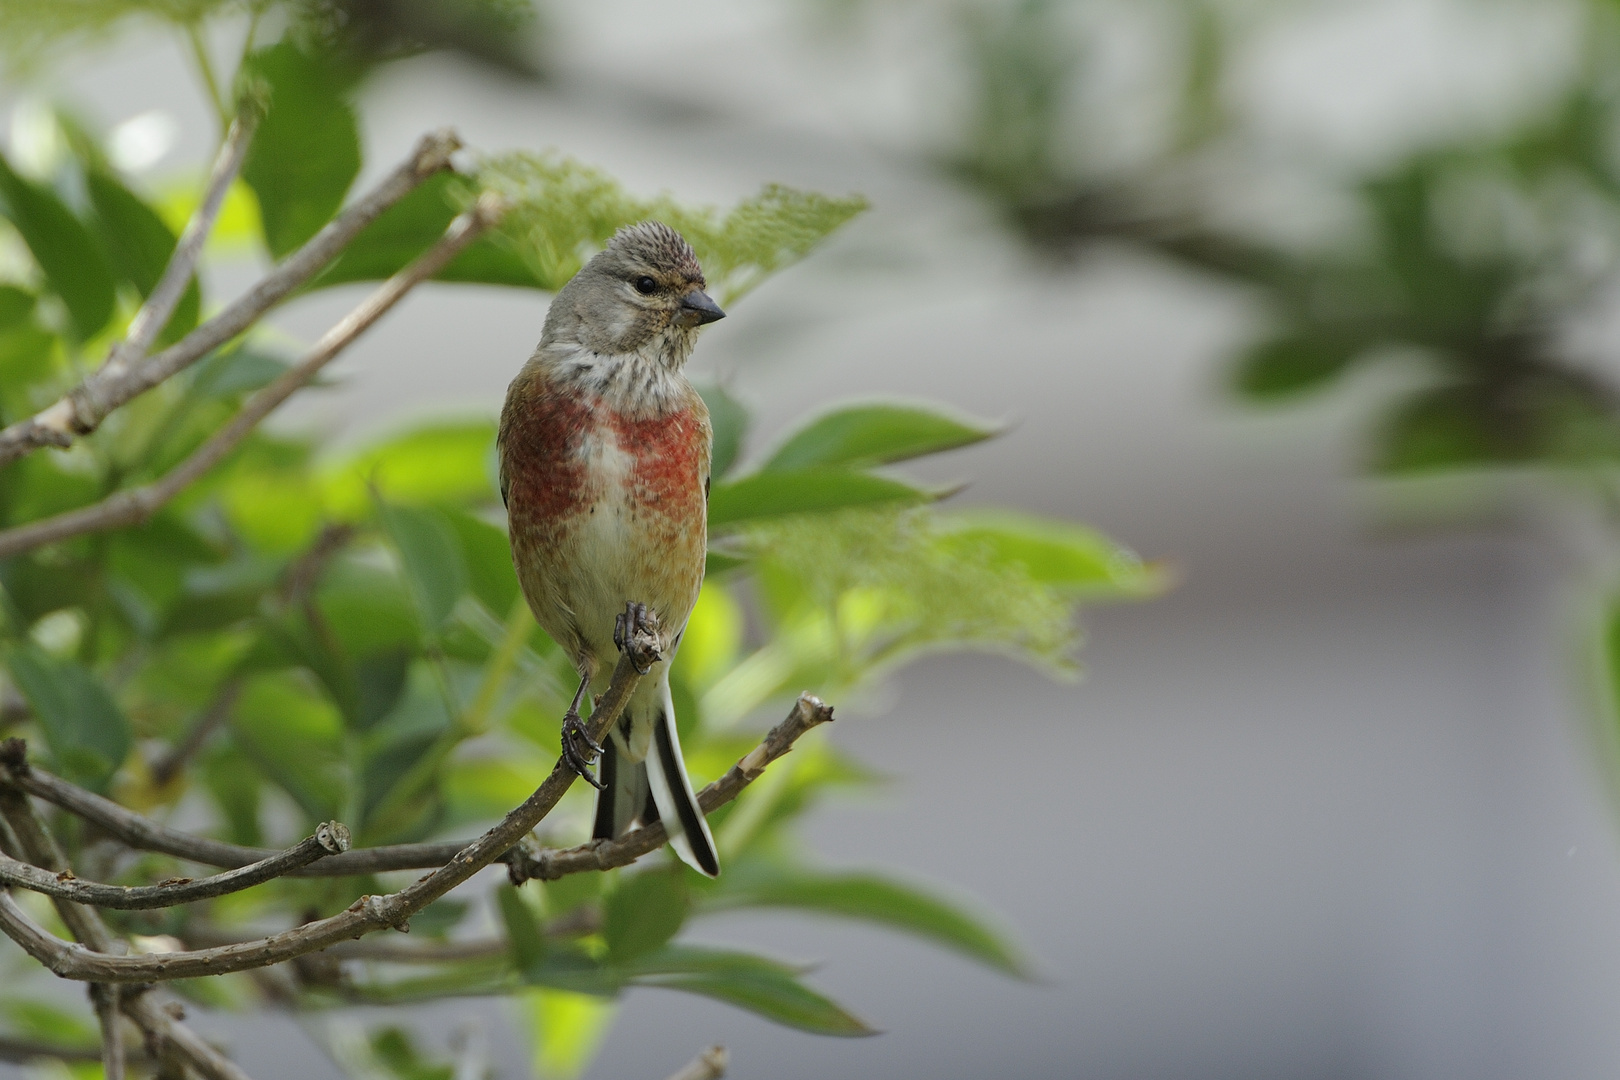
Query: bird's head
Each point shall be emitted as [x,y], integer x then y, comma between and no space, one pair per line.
[641,294]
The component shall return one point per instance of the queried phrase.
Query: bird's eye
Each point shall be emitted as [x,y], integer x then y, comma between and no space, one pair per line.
[646,286]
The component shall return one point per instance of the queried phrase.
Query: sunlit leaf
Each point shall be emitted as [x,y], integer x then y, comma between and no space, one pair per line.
[780,493]
[1057,553]
[565,1029]
[858,436]
[447,462]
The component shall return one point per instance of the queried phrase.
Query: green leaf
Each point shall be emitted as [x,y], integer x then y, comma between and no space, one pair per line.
[409,227]
[446,462]
[729,417]
[643,913]
[1447,427]
[765,987]
[1291,365]
[239,370]
[862,435]
[74,264]
[778,493]
[874,899]
[489,561]
[522,929]
[434,571]
[140,244]
[15,306]
[306,151]
[84,727]
[1057,553]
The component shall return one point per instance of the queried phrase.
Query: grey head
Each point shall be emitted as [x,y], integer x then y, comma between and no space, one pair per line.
[641,294]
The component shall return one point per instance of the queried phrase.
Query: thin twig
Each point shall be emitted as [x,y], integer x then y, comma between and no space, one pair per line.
[84,408]
[165,1035]
[160,303]
[135,505]
[105,997]
[330,839]
[147,835]
[365,915]
[709,1065]
[218,711]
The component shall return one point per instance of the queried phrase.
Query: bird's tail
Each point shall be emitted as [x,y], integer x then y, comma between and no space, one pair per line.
[654,789]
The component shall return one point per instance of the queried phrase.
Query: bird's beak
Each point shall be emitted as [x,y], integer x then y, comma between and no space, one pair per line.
[698,308]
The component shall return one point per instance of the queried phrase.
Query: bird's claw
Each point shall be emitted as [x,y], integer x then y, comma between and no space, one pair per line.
[575,733]
[635,633]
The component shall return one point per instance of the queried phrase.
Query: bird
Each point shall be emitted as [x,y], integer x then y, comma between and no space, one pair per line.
[604,449]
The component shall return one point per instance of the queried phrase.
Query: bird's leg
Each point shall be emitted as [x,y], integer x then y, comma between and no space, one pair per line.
[635,632]
[574,732]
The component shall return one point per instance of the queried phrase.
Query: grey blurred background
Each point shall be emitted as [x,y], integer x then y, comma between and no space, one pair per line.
[1327,810]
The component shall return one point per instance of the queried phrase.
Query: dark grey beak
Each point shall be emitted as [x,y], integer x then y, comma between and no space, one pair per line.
[699,308]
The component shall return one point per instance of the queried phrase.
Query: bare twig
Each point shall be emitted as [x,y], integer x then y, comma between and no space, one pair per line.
[709,1065]
[165,1036]
[84,408]
[330,839]
[136,505]
[218,711]
[105,997]
[365,915]
[147,835]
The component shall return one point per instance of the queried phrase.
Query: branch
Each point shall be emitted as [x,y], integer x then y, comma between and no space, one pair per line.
[218,711]
[88,404]
[105,998]
[135,505]
[147,835]
[18,1051]
[709,1065]
[365,915]
[165,1035]
[330,839]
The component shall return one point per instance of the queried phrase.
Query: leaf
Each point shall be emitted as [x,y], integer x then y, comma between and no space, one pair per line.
[522,929]
[140,244]
[235,371]
[862,435]
[729,417]
[778,493]
[15,306]
[875,899]
[566,1029]
[74,264]
[1443,428]
[1291,365]
[488,554]
[434,571]
[446,462]
[1057,553]
[409,227]
[85,729]
[762,986]
[379,682]
[643,913]
[306,151]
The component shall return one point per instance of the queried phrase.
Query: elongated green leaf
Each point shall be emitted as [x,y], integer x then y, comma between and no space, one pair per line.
[778,493]
[766,987]
[409,227]
[434,571]
[306,151]
[236,371]
[876,899]
[74,263]
[15,305]
[877,434]
[447,462]
[522,930]
[1057,553]
[729,418]
[1446,427]
[140,244]
[643,913]
[1291,365]
[489,561]
[84,727]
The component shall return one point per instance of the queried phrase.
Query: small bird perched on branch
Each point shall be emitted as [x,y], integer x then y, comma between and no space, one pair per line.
[604,453]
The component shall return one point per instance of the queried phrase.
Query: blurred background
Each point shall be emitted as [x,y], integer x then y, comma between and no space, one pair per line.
[1312,300]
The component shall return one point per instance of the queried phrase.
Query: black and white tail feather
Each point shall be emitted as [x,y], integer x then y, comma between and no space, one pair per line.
[653,789]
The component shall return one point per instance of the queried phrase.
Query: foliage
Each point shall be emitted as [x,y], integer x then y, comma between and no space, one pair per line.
[306,634]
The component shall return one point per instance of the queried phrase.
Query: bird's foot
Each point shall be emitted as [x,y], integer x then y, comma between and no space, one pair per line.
[574,736]
[635,632]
